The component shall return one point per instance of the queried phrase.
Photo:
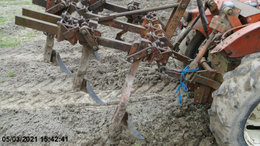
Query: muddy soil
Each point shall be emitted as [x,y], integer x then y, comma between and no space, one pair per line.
[37,99]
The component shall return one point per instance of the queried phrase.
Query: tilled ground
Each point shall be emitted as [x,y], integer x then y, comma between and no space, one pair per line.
[37,99]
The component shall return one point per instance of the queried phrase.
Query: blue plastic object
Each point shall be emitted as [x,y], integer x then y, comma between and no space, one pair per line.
[183,81]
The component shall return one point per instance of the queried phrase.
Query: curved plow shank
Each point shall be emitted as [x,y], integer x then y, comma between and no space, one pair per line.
[93,94]
[88,88]
[121,116]
[62,65]
[79,81]
[97,55]
[126,91]
[133,130]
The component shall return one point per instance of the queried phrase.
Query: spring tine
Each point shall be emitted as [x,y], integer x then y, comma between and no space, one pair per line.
[132,128]
[62,65]
[93,94]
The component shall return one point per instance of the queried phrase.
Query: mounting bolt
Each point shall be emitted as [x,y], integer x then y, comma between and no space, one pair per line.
[211,3]
[150,51]
[95,48]
[183,6]
[83,31]
[131,60]
[228,10]
[63,4]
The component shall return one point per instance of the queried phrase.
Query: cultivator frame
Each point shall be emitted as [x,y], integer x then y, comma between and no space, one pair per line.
[77,20]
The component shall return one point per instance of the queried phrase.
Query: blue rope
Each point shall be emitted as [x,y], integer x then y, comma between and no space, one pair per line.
[182,83]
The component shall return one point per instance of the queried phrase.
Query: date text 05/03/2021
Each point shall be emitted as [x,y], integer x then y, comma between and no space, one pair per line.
[28,139]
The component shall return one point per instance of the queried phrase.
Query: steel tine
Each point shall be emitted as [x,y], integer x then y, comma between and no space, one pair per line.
[62,65]
[132,128]
[93,94]
[97,55]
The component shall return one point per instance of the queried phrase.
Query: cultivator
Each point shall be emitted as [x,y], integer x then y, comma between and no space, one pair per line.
[76,21]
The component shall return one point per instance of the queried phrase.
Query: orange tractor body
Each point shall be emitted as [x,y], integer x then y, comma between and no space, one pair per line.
[243,21]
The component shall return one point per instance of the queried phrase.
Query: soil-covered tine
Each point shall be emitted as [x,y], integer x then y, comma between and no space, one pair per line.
[97,55]
[88,89]
[132,128]
[62,65]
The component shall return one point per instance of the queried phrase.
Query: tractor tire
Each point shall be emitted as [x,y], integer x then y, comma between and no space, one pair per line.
[192,49]
[190,45]
[235,111]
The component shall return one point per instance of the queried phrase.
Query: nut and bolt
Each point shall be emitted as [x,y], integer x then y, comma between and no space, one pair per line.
[95,48]
[228,10]
[183,6]
[131,60]
[83,31]
[150,51]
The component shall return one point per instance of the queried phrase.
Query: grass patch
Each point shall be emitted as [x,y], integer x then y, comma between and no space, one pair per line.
[10,73]
[10,43]
[5,3]
[2,20]
[28,35]
[14,40]
[7,40]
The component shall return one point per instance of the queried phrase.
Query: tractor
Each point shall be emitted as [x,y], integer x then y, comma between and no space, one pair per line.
[228,42]
[218,47]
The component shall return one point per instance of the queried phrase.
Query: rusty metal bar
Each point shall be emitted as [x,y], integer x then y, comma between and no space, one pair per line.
[176,17]
[119,24]
[205,65]
[41,16]
[178,56]
[51,18]
[96,5]
[182,58]
[113,16]
[56,8]
[126,92]
[205,81]
[185,33]
[52,29]
[115,44]
[125,26]
[41,3]
[36,24]
[196,61]
[114,7]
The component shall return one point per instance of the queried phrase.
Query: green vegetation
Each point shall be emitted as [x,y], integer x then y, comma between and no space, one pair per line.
[2,20]
[5,3]
[7,40]
[10,73]
[12,39]
[28,35]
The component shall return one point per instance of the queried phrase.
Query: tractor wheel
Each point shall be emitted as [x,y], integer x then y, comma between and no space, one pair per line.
[190,45]
[235,111]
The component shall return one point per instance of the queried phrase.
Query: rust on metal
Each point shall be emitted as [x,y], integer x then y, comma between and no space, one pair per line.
[41,3]
[113,16]
[154,45]
[114,7]
[36,24]
[233,46]
[41,16]
[175,18]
